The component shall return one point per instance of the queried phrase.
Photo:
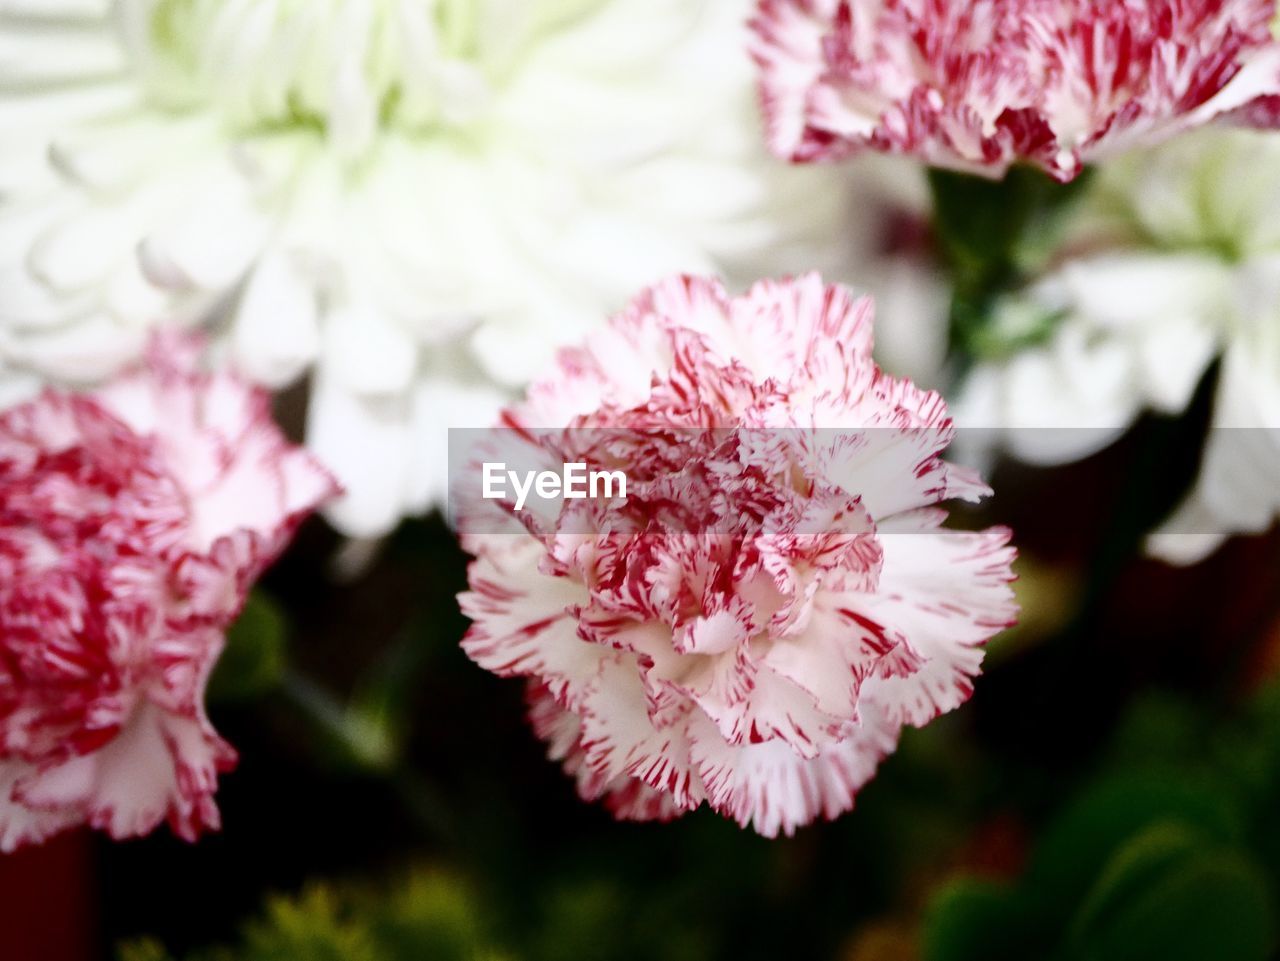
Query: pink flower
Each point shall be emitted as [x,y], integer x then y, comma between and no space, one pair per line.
[975,85]
[132,523]
[775,598]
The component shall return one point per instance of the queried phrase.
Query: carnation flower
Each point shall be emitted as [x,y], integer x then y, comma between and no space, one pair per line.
[132,523]
[975,85]
[775,597]
[414,200]
[1172,262]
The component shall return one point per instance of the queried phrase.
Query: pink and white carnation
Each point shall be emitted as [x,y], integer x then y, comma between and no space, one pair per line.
[976,85]
[133,522]
[775,597]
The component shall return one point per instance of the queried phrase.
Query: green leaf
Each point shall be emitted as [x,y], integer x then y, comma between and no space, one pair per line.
[1081,841]
[976,920]
[1136,866]
[1168,898]
[254,659]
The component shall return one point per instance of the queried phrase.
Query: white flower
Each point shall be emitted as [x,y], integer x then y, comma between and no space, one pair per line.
[415,200]
[1181,266]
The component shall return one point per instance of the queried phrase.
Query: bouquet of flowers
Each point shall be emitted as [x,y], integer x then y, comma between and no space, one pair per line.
[856,423]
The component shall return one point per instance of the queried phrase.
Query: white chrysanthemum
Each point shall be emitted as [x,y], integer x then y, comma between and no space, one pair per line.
[1178,264]
[416,200]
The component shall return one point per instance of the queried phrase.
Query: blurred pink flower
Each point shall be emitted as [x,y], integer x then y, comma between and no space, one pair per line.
[976,85]
[133,522]
[775,598]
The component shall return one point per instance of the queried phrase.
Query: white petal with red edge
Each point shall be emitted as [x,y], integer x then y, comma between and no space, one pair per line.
[21,825]
[524,623]
[947,593]
[774,790]
[620,741]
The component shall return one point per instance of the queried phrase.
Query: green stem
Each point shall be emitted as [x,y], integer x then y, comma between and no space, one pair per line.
[367,745]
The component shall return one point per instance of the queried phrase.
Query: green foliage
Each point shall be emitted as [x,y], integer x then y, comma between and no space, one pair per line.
[991,232]
[973,918]
[312,927]
[146,949]
[1077,846]
[1168,894]
[254,659]
[383,697]
[1158,859]
[431,917]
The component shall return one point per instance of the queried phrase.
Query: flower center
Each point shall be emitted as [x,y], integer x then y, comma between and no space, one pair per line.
[348,68]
